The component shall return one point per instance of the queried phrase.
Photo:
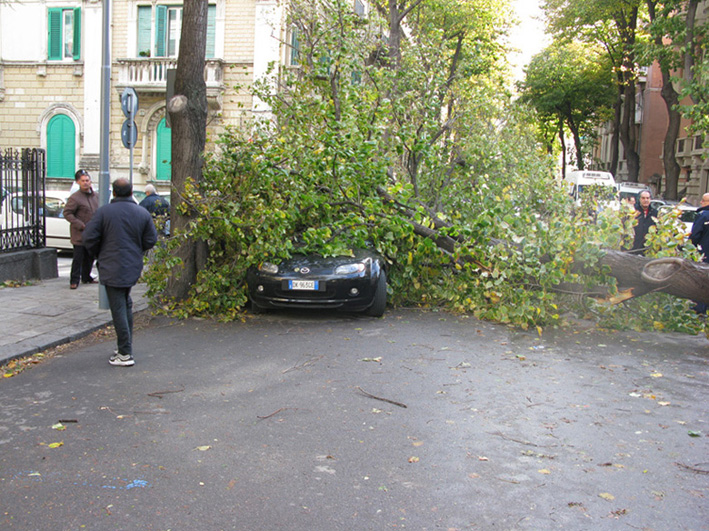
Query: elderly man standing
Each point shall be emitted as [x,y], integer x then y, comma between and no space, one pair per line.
[119,234]
[79,209]
[154,203]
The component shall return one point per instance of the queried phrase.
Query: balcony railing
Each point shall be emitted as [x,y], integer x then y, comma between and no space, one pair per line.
[150,74]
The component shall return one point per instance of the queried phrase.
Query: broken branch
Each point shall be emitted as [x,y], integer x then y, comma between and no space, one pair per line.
[380,398]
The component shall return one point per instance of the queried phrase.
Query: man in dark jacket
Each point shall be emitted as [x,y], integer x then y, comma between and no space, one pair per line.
[158,207]
[700,238]
[154,203]
[700,228]
[645,216]
[119,234]
[79,209]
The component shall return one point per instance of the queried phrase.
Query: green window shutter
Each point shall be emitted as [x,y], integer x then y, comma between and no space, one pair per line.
[61,150]
[76,51]
[160,29]
[144,14]
[55,34]
[211,28]
[163,166]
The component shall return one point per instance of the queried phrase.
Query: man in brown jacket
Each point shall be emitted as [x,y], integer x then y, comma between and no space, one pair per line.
[79,209]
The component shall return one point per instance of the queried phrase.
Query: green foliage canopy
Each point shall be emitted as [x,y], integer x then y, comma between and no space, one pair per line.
[360,154]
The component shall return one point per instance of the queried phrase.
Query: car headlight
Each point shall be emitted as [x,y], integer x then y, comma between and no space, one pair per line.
[349,269]
[268,267]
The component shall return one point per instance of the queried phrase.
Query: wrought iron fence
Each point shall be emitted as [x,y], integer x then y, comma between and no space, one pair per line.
[22,217]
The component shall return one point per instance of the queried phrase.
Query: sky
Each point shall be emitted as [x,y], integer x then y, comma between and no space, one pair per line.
[528,37]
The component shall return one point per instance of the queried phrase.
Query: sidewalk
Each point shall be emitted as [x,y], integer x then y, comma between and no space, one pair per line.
[35,318]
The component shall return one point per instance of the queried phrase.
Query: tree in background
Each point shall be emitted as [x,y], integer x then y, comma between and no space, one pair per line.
[571,85]
[673,43]
[695,81]
[611,24]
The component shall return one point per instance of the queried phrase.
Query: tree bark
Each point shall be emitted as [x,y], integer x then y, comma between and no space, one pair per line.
[675,276]
[671,98]
[626,24]
[615,135]
[669,155]
[189,133]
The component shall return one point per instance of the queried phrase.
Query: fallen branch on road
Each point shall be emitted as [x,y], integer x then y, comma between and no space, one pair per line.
[159,394]
[380,398]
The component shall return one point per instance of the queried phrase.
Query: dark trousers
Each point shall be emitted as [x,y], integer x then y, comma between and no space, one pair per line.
[81,265]
[121,306]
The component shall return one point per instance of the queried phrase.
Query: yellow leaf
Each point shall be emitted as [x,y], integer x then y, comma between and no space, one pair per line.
[544,471]
[59,426]
[656,375]
[56,445]
[413,459]
[417,443]
[203,448]
[606,496]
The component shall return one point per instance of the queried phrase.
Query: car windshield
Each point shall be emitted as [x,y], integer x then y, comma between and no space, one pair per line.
[688,216]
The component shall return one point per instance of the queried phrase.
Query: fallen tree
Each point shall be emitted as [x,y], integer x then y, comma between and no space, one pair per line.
[635,275]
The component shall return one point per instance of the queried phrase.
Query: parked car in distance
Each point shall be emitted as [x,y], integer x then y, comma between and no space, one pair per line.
[349,283]
[13,213]
[686,217]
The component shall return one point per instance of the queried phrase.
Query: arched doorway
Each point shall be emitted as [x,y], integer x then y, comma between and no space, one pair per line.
[61,147]
[163,163]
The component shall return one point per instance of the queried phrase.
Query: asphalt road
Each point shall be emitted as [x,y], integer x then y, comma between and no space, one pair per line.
[279,422]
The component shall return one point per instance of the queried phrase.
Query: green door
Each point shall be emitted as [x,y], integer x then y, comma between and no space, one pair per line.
[61,148]
[164,152]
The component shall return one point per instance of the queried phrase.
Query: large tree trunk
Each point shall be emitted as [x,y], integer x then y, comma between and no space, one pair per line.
[626,24]
[615,138]
[188,115]
[628,132]
[671,98]
[669,156]
[580,162]
[676,276]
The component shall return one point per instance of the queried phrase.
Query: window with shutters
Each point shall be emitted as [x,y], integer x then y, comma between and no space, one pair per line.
[64,29]
[61,147]
[159,30]
[294,41]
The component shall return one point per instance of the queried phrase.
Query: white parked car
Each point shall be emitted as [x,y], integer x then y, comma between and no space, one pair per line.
[14,213]
[685,215]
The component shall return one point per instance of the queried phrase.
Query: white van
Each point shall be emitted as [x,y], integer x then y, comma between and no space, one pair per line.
[627,190]
[576,181]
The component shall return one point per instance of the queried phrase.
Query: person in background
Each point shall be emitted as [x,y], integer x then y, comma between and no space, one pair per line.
[120,234]
[700,238]
[158,207]
[78,211]
[154,203]
[646,217]
[75,184]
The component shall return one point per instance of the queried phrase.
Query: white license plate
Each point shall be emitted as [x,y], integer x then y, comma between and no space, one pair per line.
[308,285]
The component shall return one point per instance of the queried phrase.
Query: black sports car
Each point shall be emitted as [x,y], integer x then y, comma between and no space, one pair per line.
[356,284]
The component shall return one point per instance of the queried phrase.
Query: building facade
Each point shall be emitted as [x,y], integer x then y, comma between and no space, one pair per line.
[50,77]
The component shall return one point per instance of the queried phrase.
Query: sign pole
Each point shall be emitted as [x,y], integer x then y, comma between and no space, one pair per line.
[103,175]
